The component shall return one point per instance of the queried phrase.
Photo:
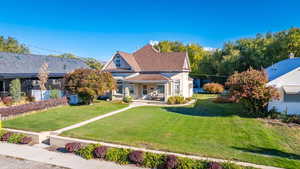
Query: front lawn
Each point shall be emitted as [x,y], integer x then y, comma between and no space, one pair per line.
[207,129]
[60,117]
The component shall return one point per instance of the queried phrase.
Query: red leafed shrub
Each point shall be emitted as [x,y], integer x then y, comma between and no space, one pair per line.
[6,136]
[34,106]
[214,88]
[136,157]
[224,99]
[72,147]
[250,88]
[8,101]
[214,165]
[100,152]
[26,140]
[171,162]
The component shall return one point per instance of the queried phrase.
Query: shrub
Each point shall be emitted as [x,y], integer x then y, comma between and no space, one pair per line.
[30,98]
[100,152]
[186,163]
[118,155]
[127,99]
[152,160]
[72,147]
[176,100]
[224,99]
[15,90]
[214,165]
[137,157]
[15,138]
[231,166]
[171,162]
[2,132]
[87,152]
[8,101]
[6,136]
[25,140]
[54,94]
[213,88]
[34,106]
[291,119]
[188,99]
[249,88]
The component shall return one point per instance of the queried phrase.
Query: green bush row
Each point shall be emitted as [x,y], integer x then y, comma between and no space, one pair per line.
[151,160]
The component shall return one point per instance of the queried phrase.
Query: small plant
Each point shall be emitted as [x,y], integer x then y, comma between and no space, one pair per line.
[231,166]
[6,136]
[72,147]
[100,152]
[30,99]
[171,162]
[186,163]
[2,132]
[25,140]
[137,157]
[87,152]
[118,155]
[214,165]
[15,138]
[213,88]
[176,100]
[152,160]
[291,119]
[7,101]
[127,99]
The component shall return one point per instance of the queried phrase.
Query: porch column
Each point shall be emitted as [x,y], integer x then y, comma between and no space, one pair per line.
[166,92]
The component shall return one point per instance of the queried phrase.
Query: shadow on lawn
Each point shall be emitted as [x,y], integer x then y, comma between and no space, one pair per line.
[207,108]
[269,152]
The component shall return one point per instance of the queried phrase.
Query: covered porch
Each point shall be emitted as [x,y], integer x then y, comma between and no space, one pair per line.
[147,87]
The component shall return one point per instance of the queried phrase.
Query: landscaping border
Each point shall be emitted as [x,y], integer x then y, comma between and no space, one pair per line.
[59,141]
[36,137]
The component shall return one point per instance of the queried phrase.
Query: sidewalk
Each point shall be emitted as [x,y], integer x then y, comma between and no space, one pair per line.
[55,158]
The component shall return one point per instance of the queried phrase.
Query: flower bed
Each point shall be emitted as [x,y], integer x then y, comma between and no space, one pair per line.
[15,138]
[34,106]
[144,159]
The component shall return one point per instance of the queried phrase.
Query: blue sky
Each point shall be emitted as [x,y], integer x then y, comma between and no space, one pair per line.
[94,28]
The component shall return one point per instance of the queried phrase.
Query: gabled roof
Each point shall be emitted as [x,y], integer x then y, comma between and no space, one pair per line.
[280,68]
[148,59]
[28,65]
[148,77]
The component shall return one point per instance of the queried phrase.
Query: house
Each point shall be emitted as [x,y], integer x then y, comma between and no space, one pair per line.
[148,74]
[285,76]
[26,67]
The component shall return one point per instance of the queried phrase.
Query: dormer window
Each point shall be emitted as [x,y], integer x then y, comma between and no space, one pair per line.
[118,61]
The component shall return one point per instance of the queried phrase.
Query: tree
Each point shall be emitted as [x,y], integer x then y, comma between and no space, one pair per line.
[93,63]
[89,83]
[43,76]
[12,45]
[15,90]
[66,55]
[249,88]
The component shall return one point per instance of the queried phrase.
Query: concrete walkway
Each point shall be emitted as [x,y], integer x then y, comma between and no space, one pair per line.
[55,158]
[57,132]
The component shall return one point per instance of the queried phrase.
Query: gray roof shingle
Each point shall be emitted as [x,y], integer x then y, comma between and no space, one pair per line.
[28,65]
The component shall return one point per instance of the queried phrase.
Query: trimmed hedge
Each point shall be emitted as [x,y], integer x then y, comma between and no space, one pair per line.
[149,160]
[15,138]
[177,100]
[34,106]
[213,88]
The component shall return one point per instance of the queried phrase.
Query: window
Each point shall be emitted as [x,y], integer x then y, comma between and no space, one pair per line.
[161,88]
[292,97]
[35,82]
[177,87]
[145,92]
[118,61]
[131,90]
[119,87]
[55,81]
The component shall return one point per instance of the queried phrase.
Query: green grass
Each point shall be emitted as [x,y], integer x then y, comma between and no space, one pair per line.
[207,129]
[60,117]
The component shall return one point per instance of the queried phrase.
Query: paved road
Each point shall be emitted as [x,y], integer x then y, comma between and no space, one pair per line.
[16,163]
